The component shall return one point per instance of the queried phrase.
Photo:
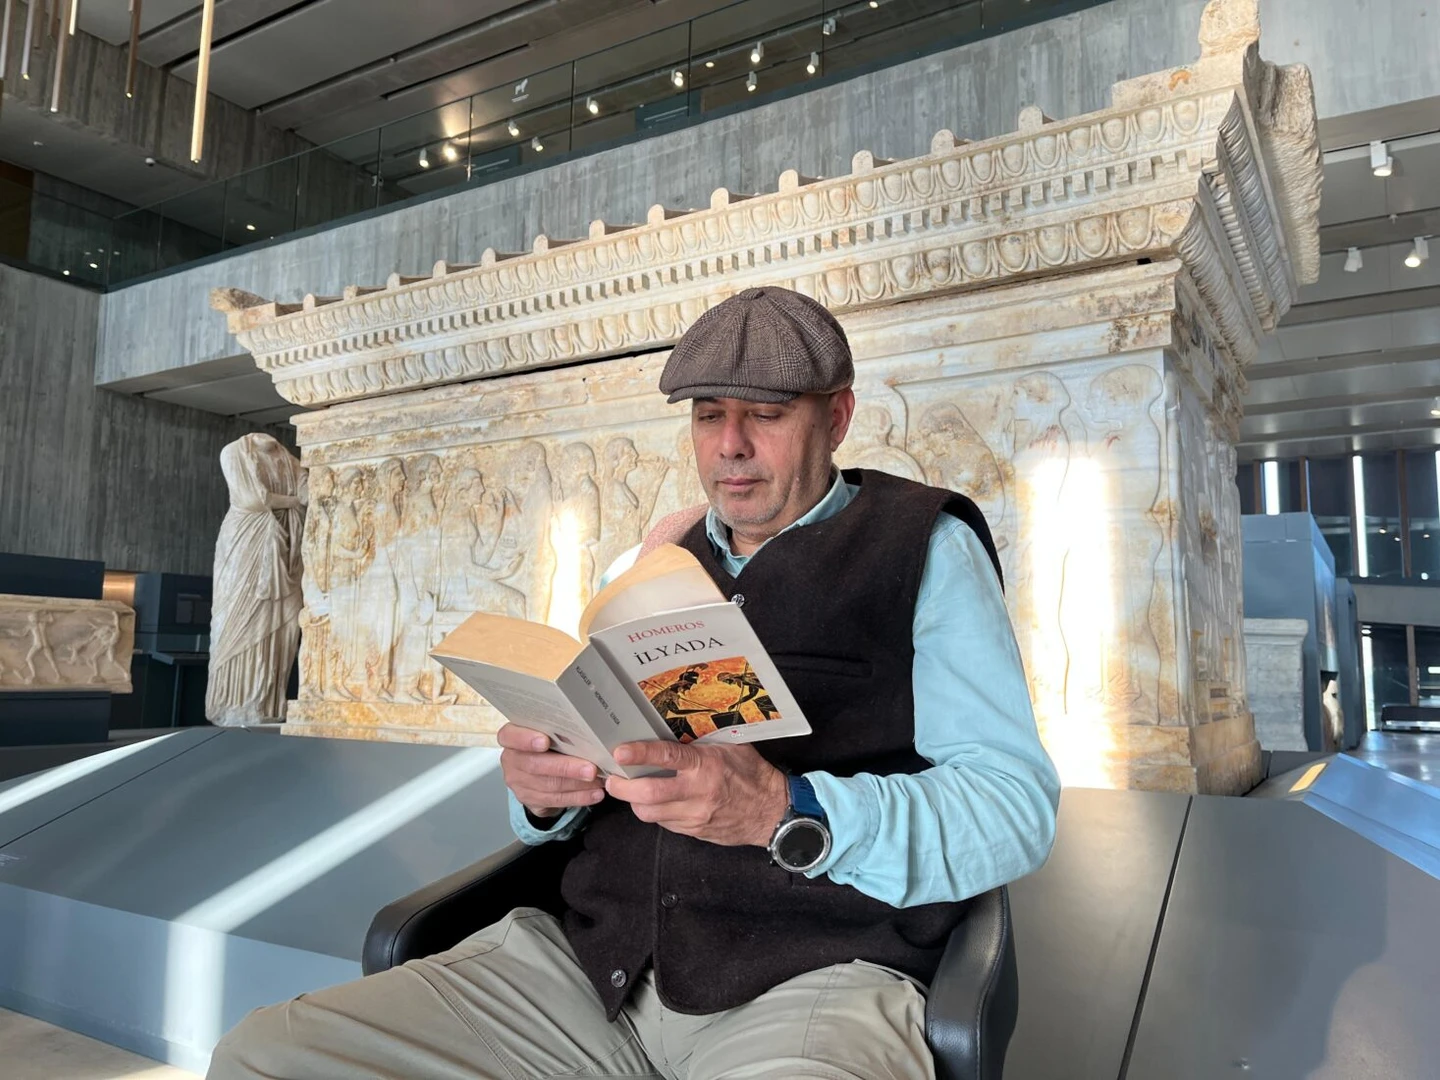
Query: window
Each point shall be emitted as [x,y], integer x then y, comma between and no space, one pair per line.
[1422,496]
[1386,659]
[1331,503]
[1427,665]
[1280,487]
[1378,547]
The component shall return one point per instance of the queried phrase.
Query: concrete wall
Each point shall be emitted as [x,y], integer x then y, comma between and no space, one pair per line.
[1365,54]
[90,474]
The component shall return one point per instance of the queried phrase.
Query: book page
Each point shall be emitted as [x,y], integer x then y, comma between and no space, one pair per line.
[667,579]
[704,673]
[529,648]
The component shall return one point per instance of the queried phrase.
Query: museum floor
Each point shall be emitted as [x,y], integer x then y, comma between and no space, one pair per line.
[35,1050]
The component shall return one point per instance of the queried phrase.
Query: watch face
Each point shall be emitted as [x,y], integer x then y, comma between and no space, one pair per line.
[803,845]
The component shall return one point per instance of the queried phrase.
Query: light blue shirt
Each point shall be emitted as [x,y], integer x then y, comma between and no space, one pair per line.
[984,813]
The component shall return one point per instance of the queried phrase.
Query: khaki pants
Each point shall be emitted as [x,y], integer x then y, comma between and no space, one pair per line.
[511,1003]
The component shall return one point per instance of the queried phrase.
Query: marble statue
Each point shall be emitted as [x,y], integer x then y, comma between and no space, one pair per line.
[255,617]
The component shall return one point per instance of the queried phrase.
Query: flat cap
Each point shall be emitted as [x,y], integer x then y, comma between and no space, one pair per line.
[767,344]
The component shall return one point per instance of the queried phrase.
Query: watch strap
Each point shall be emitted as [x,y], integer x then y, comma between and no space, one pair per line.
[803,800]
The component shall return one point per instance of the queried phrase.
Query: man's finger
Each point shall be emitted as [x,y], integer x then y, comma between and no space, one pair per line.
[649,791]
[559,799]
[663,753]
[514,737]
[573,768]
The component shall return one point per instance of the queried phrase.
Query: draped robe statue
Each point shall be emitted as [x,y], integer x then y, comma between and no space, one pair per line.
[255,617]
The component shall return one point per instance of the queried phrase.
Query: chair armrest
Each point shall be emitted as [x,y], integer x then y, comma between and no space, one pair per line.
[970,1010]
[439,915]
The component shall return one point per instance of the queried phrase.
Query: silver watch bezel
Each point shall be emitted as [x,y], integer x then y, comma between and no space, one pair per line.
[788,826]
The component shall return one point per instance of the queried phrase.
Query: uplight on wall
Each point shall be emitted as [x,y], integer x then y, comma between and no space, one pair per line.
[1381,163]
[1419,253]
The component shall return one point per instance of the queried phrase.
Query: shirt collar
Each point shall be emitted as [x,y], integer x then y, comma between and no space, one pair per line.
[835,500]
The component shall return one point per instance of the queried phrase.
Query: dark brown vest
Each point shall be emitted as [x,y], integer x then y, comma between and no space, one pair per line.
[834,603]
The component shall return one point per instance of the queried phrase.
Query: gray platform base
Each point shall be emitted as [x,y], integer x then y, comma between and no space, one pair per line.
[153,895]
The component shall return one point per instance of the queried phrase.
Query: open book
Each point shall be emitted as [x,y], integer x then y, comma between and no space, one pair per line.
[662,655]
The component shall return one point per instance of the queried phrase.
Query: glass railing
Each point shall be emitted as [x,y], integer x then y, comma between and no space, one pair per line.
[74,241]
[735,57]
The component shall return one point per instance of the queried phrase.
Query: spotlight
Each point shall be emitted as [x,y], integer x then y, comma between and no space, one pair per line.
[828,26]
[1381,163]
[449,151]
[751,82]
[1435,408]
[677,77]
[1353,260]
[65,272]
[814,65]
[249,228]
[757,53]
[1419,252]
[592,106]
[536,144]
[709,63]
[874,3]
[94,266]
[424,158]
[513,128]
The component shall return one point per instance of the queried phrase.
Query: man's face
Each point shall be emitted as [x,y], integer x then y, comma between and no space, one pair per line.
[763,466]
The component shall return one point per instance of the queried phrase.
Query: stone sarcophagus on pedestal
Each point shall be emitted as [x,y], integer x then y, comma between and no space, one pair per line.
[1055,322]
[50,644]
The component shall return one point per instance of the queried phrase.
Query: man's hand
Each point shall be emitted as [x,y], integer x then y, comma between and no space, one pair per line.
[545,783]
[727,795]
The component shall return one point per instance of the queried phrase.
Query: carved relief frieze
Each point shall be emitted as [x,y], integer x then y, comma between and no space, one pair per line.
[49,644]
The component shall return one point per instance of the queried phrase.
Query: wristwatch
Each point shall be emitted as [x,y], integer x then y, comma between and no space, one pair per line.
[802,839]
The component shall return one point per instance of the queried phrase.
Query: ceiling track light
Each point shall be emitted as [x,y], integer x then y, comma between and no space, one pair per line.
[424,158]
[62,53]
[29,41]
[814,65]
[1419,253]
[1381,163]
[828,26]
[1353,260]
[678,78]
[591,106]
[536,144]
[757,53]
[513,128]
[751,82]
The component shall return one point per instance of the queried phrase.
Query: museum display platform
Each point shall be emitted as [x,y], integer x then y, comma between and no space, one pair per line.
[152,895]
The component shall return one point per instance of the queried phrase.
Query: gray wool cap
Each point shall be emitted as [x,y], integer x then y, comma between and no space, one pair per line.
[768,344]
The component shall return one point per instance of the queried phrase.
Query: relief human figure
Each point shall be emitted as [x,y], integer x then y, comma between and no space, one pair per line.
[627,506]
[37,644]
[417,554]
[315,582]
[379,592]
[954,455]
[352,547]
[879,444]
[255,619]
[680,486]
[575,525]
[1128,445]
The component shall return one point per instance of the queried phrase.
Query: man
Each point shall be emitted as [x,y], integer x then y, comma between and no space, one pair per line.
[771,910]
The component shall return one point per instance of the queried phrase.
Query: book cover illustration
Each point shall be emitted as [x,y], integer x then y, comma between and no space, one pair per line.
[697,699]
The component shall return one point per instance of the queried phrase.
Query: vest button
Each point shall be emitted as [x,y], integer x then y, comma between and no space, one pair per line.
[738,599]
[670,900]
[618,978]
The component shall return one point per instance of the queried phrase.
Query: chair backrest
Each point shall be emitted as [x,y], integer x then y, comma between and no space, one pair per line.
[971,1008]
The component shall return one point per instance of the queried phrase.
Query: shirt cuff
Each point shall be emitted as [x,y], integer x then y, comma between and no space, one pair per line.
[851,817]
[562,827]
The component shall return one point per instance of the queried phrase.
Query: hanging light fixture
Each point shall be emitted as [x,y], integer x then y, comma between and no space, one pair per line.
[5,47]
[130,59]
[61,55]
[678,78]
[202,80]
[1381,163]
[424,161]
[751,82]
[74,16]
[513,128]
[1353,260]
[536,144]
[591,106]
[449,152]
[757,53]
[814,65]
[1419,252]
[29,40]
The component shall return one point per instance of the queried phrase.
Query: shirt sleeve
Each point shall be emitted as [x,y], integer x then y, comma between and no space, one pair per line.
[984,814]
[565,826]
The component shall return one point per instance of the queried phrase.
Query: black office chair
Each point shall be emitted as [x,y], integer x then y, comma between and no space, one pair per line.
[970,1010]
